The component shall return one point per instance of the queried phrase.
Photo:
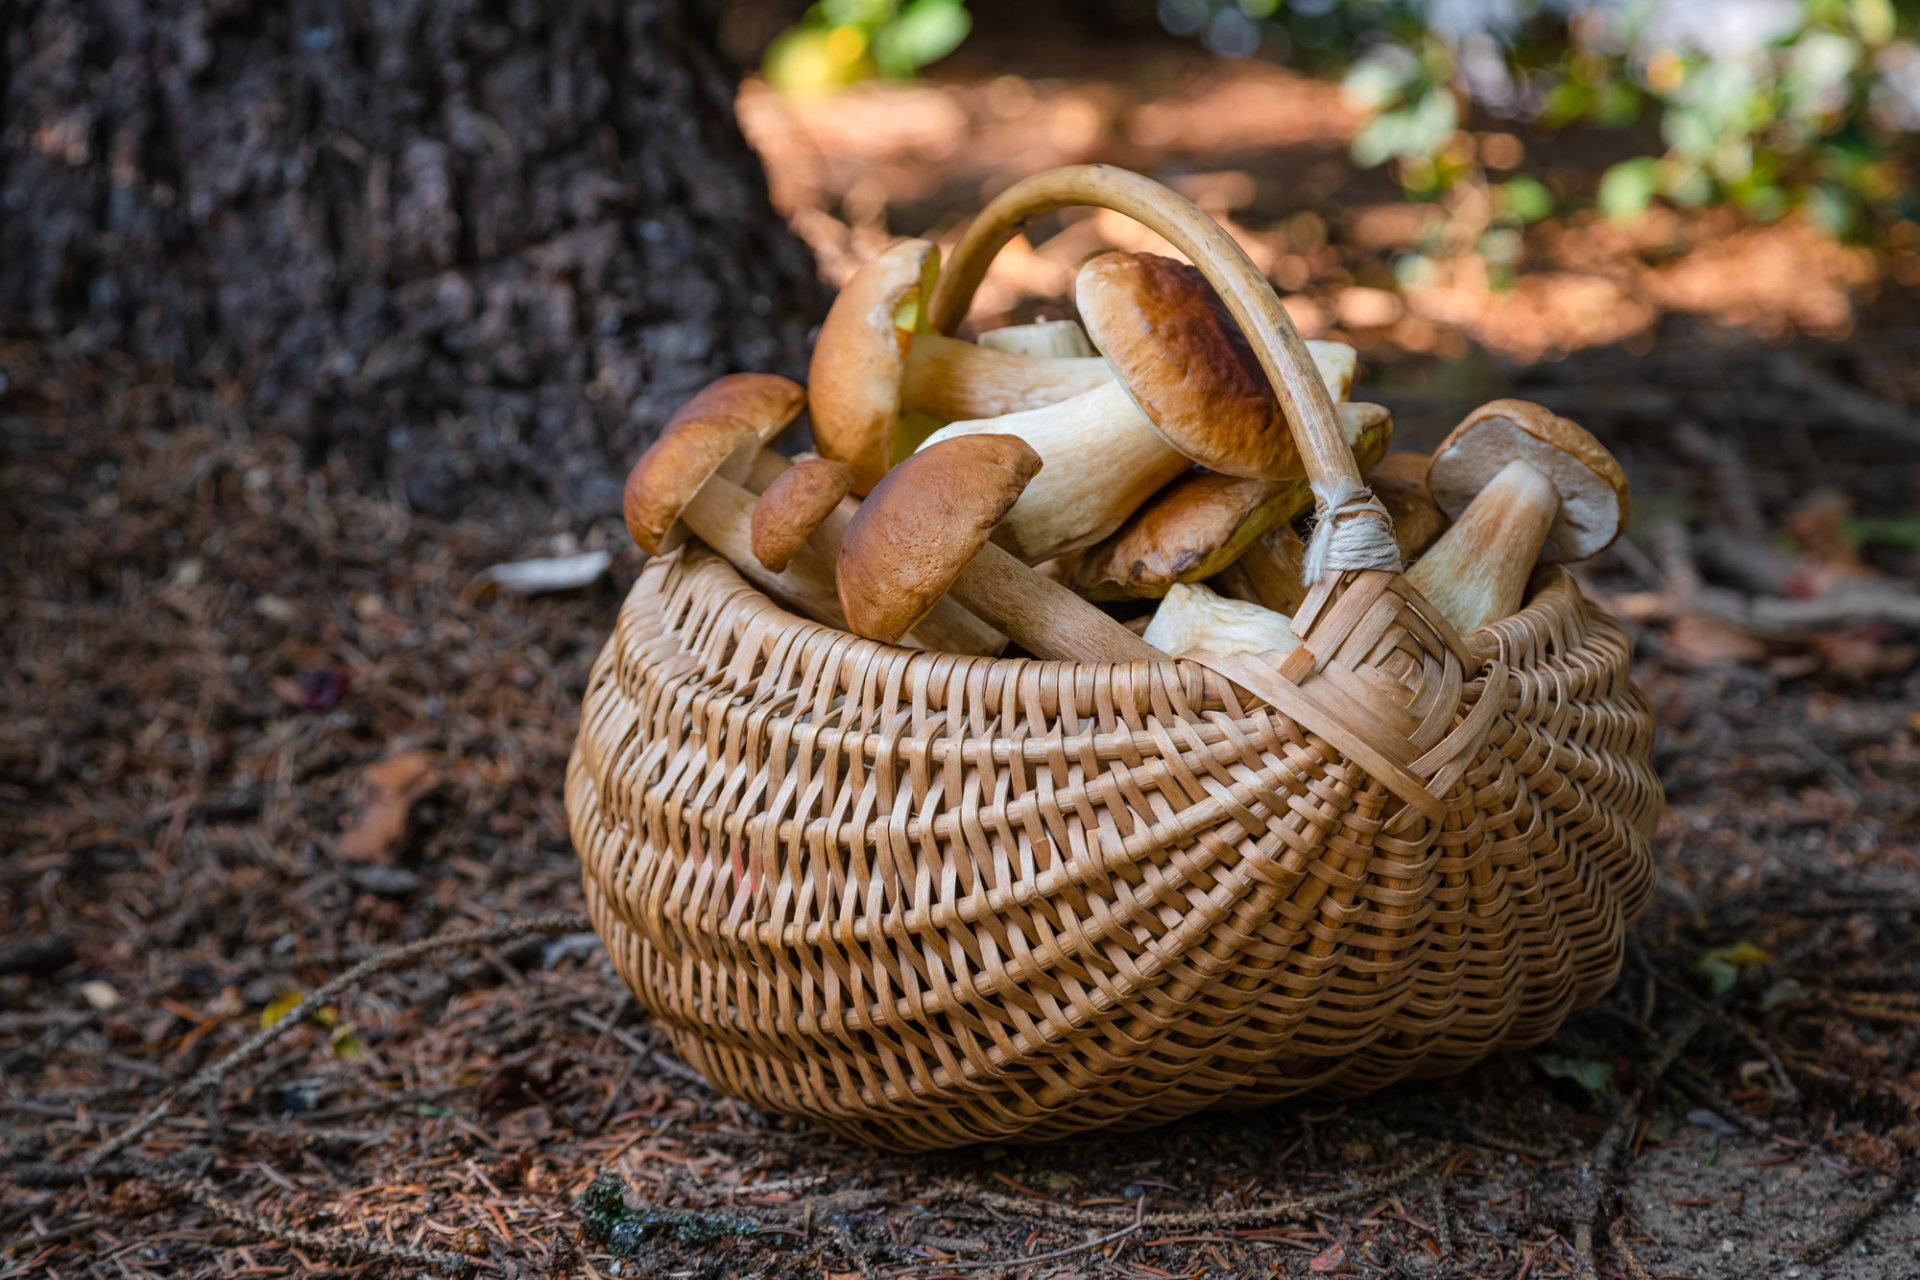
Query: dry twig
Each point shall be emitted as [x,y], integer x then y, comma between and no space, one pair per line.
[1856,1226]
[1293,1208]
[385,961]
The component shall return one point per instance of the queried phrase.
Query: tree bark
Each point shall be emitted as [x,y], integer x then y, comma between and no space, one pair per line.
[480,246]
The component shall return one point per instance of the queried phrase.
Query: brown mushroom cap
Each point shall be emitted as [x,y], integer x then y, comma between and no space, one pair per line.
[767,400]
[796,503]
[1200,523]
[1594,503]
[686,456]
[921,525]
[675,468]
[1170,340]
[860,358]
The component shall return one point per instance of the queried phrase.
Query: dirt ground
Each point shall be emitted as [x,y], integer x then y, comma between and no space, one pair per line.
[255,725]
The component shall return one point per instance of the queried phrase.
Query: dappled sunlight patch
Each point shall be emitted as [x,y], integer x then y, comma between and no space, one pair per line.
[1261,150]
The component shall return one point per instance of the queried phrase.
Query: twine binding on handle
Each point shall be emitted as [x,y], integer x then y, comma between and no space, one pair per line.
[1351,530]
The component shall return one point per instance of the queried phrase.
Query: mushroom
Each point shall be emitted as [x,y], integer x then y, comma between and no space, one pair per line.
[1040,338]
[684,483]
[1268,573]
[1400,483]
[1522,485]
[876,362]
[1189,390]
[924,531]
[687,482]
[1203,522]
[947,629]
[793,505]
[1194,619]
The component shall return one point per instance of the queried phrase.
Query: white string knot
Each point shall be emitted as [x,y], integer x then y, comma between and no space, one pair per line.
[1351,531]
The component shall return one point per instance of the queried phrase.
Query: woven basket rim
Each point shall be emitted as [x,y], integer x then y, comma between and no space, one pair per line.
[1487,642]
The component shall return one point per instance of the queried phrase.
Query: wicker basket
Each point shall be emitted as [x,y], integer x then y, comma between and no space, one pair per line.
[930,900]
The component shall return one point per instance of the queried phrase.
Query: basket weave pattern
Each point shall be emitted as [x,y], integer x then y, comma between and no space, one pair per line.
[928,899]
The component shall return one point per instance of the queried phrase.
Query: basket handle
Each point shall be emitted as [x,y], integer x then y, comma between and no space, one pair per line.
[1353,530]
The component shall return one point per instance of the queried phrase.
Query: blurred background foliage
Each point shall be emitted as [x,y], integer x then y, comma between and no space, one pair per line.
[1766,105]
[841,42]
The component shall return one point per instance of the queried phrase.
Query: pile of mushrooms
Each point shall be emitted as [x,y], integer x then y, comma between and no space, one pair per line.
[1121,488]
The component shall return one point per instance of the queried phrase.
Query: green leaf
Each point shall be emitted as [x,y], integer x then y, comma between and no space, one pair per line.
[1902,532]
[1720,976]
[345,1043]
[1628,187]
[926,31]
[1721,966]
[1524,200]
[1589,1073]
[1830,210]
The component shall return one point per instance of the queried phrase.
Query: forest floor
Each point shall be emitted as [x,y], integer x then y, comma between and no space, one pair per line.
[256,724]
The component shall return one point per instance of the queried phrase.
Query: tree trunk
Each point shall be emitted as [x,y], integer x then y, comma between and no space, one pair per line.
[483,246]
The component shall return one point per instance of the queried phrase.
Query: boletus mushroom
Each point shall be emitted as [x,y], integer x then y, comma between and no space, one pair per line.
[924,531]
[685,482]
[876,363]
[1203,521]
[1522,485]
[688,482]
[1189,390]
[1194,619]
[794,504]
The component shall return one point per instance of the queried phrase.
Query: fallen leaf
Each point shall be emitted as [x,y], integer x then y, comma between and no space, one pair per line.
[1590,1074]
[1701,640]
[391,788]
[100,995]
[1822,525]
[1331,1258]
[1859,656]
[282,1005]
[552,573]
[525,1127]
[1722,965]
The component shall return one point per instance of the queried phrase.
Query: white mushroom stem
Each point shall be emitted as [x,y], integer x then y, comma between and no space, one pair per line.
[1477,572]
[720,516]
[1047,619]
[1041,338]
[948,379]
[1193,619]
[1101,458]
[948,629]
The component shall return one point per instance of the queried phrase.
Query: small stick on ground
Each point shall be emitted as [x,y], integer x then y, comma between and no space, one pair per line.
[1602,1168]
[339,1243]
[1291,1209]
[395,958]
[1856,1226]
[1012,1264]
[1442,1224]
